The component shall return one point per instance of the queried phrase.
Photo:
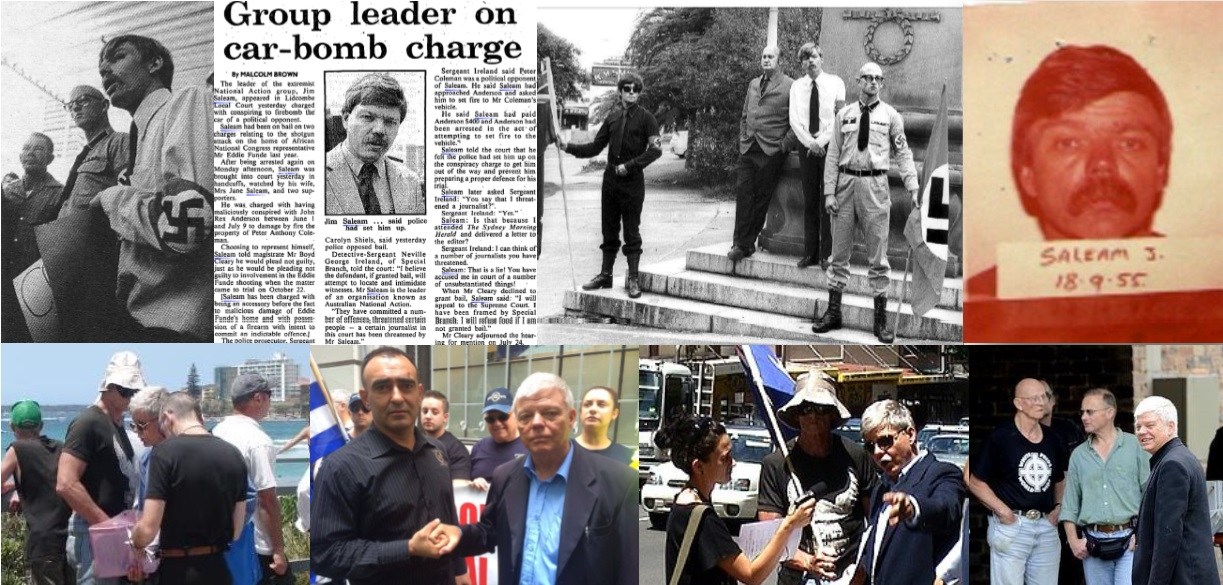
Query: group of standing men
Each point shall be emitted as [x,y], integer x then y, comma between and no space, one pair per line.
[152,187]
[852,191]
[1133,506]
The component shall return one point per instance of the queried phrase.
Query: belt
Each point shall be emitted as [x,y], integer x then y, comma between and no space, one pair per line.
[190,551]
[1109,527]
[1031,514]
[870,173]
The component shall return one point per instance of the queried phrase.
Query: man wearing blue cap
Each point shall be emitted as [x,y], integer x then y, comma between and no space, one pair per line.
[501,444]
[31,460]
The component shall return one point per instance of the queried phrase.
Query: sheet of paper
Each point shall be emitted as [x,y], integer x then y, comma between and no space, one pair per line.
[754,536]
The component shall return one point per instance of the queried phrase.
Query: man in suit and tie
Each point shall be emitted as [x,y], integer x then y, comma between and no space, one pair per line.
[915,512]
[764,139]
[361,178]
[561,515]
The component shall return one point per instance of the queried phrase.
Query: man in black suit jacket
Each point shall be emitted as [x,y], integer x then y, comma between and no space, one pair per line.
[915,512]
[560,506]
[1174,536]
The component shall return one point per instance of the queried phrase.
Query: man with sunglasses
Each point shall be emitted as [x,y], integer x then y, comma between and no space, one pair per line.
[836,470]
[1019,476]
[765,137]
[97,475]
[252,399]
[915,512]
[359,413]
[31,460]
[631,135]
[868,136]
[1104,486]
[105,155]
[502,443]
[434,416]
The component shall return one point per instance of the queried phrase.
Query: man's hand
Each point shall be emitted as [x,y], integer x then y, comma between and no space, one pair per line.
[1007,517]
[621,170]
[1052,516]
[1133,542]
[280,564]
[913,197]
[801,561]
[14,504]
[902,507]
[816,150]
[824,565]
[830,204]
[561,142]
[432,541]
[480,483]
[1078,546]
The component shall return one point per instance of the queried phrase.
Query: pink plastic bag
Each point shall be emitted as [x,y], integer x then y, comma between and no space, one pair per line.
[111,553]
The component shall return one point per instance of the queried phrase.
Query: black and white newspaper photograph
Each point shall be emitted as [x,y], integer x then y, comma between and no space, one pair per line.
[107,154]
[702,173]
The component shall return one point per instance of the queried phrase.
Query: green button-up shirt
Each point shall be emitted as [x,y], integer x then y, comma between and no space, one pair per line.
[1105,492]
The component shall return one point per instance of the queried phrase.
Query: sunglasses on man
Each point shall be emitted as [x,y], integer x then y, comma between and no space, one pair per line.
[631,88]
[493,417]
[884,442]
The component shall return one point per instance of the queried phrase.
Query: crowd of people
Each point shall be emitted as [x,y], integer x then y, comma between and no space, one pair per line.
[139,202]
[205,501]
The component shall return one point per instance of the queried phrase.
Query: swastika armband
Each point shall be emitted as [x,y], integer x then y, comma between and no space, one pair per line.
[899,142]
[182,216]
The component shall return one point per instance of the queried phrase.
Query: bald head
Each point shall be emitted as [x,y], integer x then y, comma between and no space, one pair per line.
[870,81]
[1030,398]
[769,59]
[88,106]
[85,90]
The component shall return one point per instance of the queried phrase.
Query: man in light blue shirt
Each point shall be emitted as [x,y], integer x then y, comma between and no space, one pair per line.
[561,515]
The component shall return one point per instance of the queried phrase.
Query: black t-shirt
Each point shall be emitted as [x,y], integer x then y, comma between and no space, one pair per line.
[96,440]
[711,544]
[1021,473]
[487,455]
[45,513]
[456,455]
[845,478]
[200,478]
[615,451]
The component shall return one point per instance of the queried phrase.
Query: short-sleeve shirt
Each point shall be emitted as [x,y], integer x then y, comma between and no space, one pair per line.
[456,455]
[843,480]
[488,455]
[259,453]
[711,544]
[200,478]
[105,160]
[1022,473]
[614,451]
[110,475]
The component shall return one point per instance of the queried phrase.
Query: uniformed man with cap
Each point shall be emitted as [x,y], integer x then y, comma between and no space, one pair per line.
[856,192]
[632,134]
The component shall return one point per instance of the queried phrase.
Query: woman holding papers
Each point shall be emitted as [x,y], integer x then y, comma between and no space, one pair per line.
[699,545]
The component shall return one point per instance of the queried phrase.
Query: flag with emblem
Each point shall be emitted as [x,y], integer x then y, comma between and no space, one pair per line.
[929,224]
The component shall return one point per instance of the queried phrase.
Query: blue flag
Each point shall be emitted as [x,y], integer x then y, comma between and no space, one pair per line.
[326,434]
[771,386]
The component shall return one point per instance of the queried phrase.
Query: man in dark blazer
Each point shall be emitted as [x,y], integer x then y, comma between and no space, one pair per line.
[915,513]
[765,138]
[561,515]
[1173,540]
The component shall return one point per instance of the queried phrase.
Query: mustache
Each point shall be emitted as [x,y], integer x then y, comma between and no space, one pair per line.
[1110,190]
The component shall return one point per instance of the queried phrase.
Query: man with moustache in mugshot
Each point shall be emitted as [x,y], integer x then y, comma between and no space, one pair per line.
[1090,152]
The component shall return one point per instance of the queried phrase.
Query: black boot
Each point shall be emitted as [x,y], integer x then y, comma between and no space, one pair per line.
[604,278]
[881,320]
[832,317]
[631,283]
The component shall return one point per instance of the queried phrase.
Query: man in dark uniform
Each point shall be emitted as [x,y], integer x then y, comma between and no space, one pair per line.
[856,192]
[765,138]
[632,133]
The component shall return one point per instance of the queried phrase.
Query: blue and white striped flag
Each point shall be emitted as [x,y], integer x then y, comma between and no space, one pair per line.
[326,434]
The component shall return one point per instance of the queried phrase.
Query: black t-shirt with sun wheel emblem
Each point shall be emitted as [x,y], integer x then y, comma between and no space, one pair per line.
[1022,473]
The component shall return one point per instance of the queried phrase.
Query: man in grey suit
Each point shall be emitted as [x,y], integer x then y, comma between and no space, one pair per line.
[1174,537]
[765,138]
[361,178]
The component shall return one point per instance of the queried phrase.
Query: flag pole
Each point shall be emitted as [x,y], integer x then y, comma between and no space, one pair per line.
[546,65]
[318,377]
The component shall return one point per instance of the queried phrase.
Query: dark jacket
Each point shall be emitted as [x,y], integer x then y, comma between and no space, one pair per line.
[598,538]
[766,117]
[631,137]
[909,554]
[1174,536]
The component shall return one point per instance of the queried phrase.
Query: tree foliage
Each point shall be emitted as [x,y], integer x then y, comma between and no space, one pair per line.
[566,73]
[699,61]
[193,383]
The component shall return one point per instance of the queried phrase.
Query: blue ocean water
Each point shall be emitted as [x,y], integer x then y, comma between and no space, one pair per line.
[290,465]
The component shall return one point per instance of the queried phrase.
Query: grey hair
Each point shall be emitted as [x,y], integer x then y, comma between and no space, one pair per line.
[540,381]
[886,413]
[1162,407]
[1110,400]
[179,404]
[149,400]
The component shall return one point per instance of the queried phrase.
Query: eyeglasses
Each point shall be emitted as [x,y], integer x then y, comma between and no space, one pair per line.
[1091,411]
[870,78]
[81,102]
[885,442]
[358,407]
[819,409]
[493,417]
[631,88]
[139,427]
[1039,399]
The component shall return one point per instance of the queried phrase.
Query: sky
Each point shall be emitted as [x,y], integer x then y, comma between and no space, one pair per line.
[69,373]
[600,33]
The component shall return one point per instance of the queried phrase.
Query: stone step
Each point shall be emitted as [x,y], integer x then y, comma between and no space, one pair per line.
[750,316]
[782,268]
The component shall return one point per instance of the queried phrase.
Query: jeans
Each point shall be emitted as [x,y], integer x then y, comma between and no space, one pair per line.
[80,554]
[1027,551]
[1101,572]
